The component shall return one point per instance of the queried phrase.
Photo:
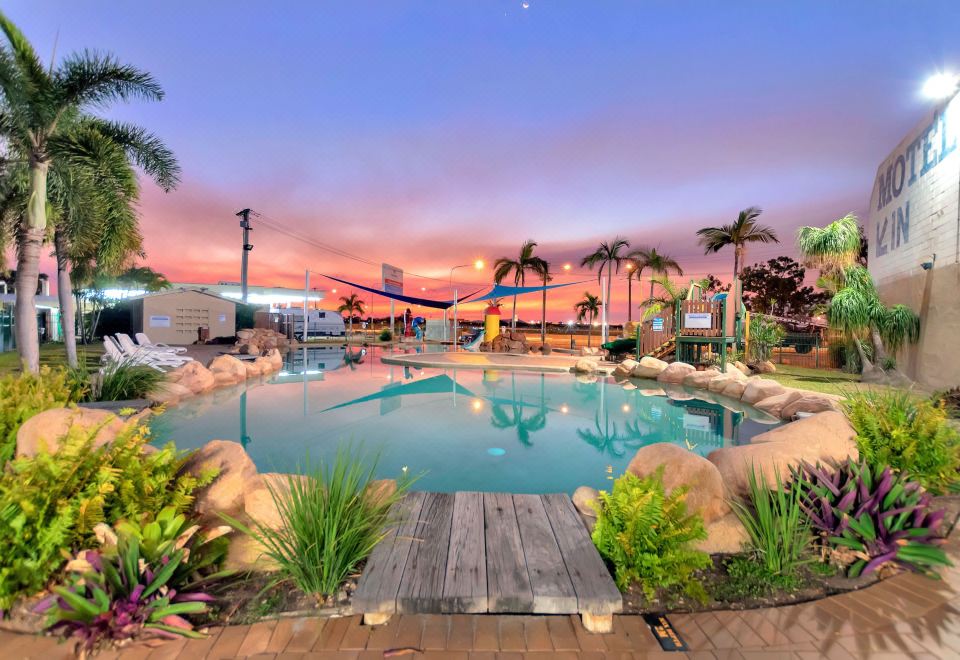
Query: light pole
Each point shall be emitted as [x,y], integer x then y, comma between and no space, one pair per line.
[478,264]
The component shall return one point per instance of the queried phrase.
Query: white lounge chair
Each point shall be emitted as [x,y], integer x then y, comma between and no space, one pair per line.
[149,356]
[144,341]
[112,353]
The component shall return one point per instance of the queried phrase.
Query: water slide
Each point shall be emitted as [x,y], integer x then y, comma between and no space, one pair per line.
[474,344]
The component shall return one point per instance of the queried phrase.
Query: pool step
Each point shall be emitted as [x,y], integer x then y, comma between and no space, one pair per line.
[470,552]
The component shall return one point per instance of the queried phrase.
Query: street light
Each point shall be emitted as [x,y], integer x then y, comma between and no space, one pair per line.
[567,267]
[941,85]
[478,264]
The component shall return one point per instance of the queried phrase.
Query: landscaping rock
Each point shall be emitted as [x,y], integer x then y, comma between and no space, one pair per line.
[275,359]
[700,379]
[249,348]
[649,367]
[237,474]
[676,372]
[761,388]
[265,365]
[734,389]
[584,498]
[625,367]
[585,366]
[718,383]
[734,371]
[254,368]
[258,502]
[195,377]
[767,367]
[826,436]
[809,403]
[229,365]
[224,379]
[48,428]
[381,490]
[246,554]
[725,535]
[772,405]
[684,468]
[169,393]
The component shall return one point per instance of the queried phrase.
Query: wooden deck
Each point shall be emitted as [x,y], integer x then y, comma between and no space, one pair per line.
[470,552]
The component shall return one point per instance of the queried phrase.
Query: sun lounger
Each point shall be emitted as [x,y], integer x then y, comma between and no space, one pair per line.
[148,356]
[144,342]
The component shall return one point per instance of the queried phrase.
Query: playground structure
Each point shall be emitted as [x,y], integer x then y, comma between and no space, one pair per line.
[695,328]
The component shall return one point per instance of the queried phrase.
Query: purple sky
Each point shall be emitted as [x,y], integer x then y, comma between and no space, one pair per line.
[428,134]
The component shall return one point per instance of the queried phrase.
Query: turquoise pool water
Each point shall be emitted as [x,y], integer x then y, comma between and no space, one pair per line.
[463,429]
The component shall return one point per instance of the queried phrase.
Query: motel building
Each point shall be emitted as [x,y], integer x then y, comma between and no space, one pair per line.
[913,230]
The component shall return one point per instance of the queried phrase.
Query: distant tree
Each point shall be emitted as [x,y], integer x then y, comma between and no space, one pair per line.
[589,306]
[777,288]
[609,256]
[738,234]
[352,306]
[713,285]
[656,263]
[524,263]
[143,278]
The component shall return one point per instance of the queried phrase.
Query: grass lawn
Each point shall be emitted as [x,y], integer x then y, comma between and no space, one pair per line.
[829,381]
[53,354]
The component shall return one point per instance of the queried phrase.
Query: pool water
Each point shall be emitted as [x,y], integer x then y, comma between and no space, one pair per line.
[461,429]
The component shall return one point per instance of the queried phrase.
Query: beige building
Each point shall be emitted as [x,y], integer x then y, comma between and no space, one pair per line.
[175,316]
[914,234]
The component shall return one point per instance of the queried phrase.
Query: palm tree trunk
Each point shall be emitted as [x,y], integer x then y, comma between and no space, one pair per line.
[590,331]
[543,316]
[737,255]
[513,321]
[25,306]
[65,294]
[609,320]
[629,299]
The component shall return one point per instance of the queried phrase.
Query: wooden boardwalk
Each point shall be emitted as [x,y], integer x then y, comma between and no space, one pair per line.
[470,552]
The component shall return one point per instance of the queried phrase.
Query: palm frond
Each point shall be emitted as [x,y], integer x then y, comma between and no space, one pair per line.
[145,149]
[90,78]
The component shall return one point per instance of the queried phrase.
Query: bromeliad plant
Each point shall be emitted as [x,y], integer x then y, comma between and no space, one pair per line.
[113,599]
[876,515]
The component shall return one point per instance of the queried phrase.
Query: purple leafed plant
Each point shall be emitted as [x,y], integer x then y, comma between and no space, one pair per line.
[878,515]
[109,600]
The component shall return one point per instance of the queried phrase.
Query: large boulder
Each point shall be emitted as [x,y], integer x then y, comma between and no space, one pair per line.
[726,535]
[735,372]
[734,389]
[265,365]
[275,359]
[236,474]
[254,368]
[224,379]
[169,393]
[719,383]
[244,553]
[700,379]
[649,367]
[684,468]
[625,367]
[809,402]
[766,367]
[585,366]
[227,364]
[761,388]
[742,368]
[48,428]
[676,372]
[823,437]
[194,376]
[772,405]
[586,500]
[249,348]
[258,499]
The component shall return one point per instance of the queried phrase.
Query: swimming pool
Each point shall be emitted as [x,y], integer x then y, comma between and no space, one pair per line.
[464,429]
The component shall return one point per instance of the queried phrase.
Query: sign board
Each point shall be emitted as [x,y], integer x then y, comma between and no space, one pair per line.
[392,279]
[658,324]
[159,321]
[697,320]
[222,318]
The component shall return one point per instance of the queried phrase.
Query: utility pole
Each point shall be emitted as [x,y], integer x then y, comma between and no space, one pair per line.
[244,216]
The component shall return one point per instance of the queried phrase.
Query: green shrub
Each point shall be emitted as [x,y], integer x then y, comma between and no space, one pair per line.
[120,381]
[749,578]
[386,335]
[331,520]
[24,395]
[778,530]
[50,503]
[648,536]
[764,336]
[907,433]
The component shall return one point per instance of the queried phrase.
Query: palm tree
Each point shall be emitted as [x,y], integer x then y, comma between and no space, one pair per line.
[503,266]
[744,230]
[670,294]
[608,255]
[659,264]
[39,104]
[856,309]
[351,305]
[590,306]
[543,269]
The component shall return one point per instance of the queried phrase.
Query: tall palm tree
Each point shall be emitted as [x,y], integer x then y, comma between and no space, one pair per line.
[351,305]
[590,306]
[38,103]
[856,309]
[670,294]
[524,263]
[744,230]
[608,255]
[543,270]
[657,263]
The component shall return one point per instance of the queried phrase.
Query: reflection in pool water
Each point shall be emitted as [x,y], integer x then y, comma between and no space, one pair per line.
[464,429]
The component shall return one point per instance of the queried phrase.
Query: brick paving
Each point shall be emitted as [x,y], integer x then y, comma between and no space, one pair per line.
[907,616]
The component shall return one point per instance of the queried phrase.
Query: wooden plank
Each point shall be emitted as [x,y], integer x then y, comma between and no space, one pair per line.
[465,584]
[553,592]
[380,581]
[422,587]
[596,591]
[508,584]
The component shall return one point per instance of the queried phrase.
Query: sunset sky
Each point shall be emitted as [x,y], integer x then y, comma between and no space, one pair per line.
[429,134]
